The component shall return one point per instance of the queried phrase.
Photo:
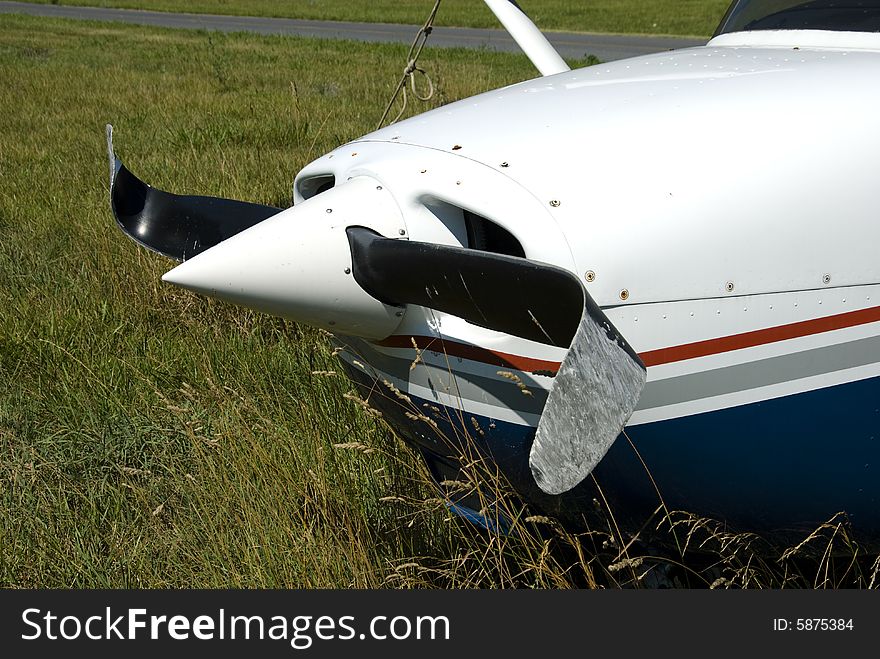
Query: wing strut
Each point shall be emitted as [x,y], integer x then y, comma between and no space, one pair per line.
[526,34]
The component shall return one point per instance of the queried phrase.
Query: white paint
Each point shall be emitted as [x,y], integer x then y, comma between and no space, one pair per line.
[813,39]
[418,177]
[679,172]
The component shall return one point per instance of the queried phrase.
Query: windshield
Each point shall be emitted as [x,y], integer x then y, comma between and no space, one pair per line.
[849,15]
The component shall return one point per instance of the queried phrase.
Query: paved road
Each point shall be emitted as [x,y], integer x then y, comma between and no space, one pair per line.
[604,46]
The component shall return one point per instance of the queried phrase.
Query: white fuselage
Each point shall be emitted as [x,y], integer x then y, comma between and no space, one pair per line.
[701,195]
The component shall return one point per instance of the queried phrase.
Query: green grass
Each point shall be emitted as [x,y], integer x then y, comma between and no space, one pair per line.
[674,17]
[152,438]
[149,437]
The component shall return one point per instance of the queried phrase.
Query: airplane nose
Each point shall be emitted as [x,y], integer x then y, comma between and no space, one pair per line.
[297,264]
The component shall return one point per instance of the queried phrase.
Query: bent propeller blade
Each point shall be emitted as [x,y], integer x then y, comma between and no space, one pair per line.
[177,226]
[593,396]
[601,378]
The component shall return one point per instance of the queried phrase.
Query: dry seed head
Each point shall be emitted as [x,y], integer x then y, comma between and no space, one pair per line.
[626,562]
[370,411]
[358,446]
[422,417]
[131,471]
[397,392]
[455,486]
[516,380]
[875,572]
[418,358]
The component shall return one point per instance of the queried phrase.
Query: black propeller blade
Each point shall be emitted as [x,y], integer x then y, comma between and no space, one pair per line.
[535,301]
[178,226]
[505,293]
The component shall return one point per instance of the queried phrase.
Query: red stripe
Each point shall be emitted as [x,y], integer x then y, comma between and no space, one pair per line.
[760,337]
[474,353]
[652,357]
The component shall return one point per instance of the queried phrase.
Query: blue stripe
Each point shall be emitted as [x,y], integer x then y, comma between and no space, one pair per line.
[788,462]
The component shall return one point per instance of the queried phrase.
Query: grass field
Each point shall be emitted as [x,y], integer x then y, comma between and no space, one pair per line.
[679,17]
[152,438]
[147,437]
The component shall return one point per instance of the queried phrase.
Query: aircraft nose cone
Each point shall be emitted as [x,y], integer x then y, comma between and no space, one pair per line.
[297,264]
